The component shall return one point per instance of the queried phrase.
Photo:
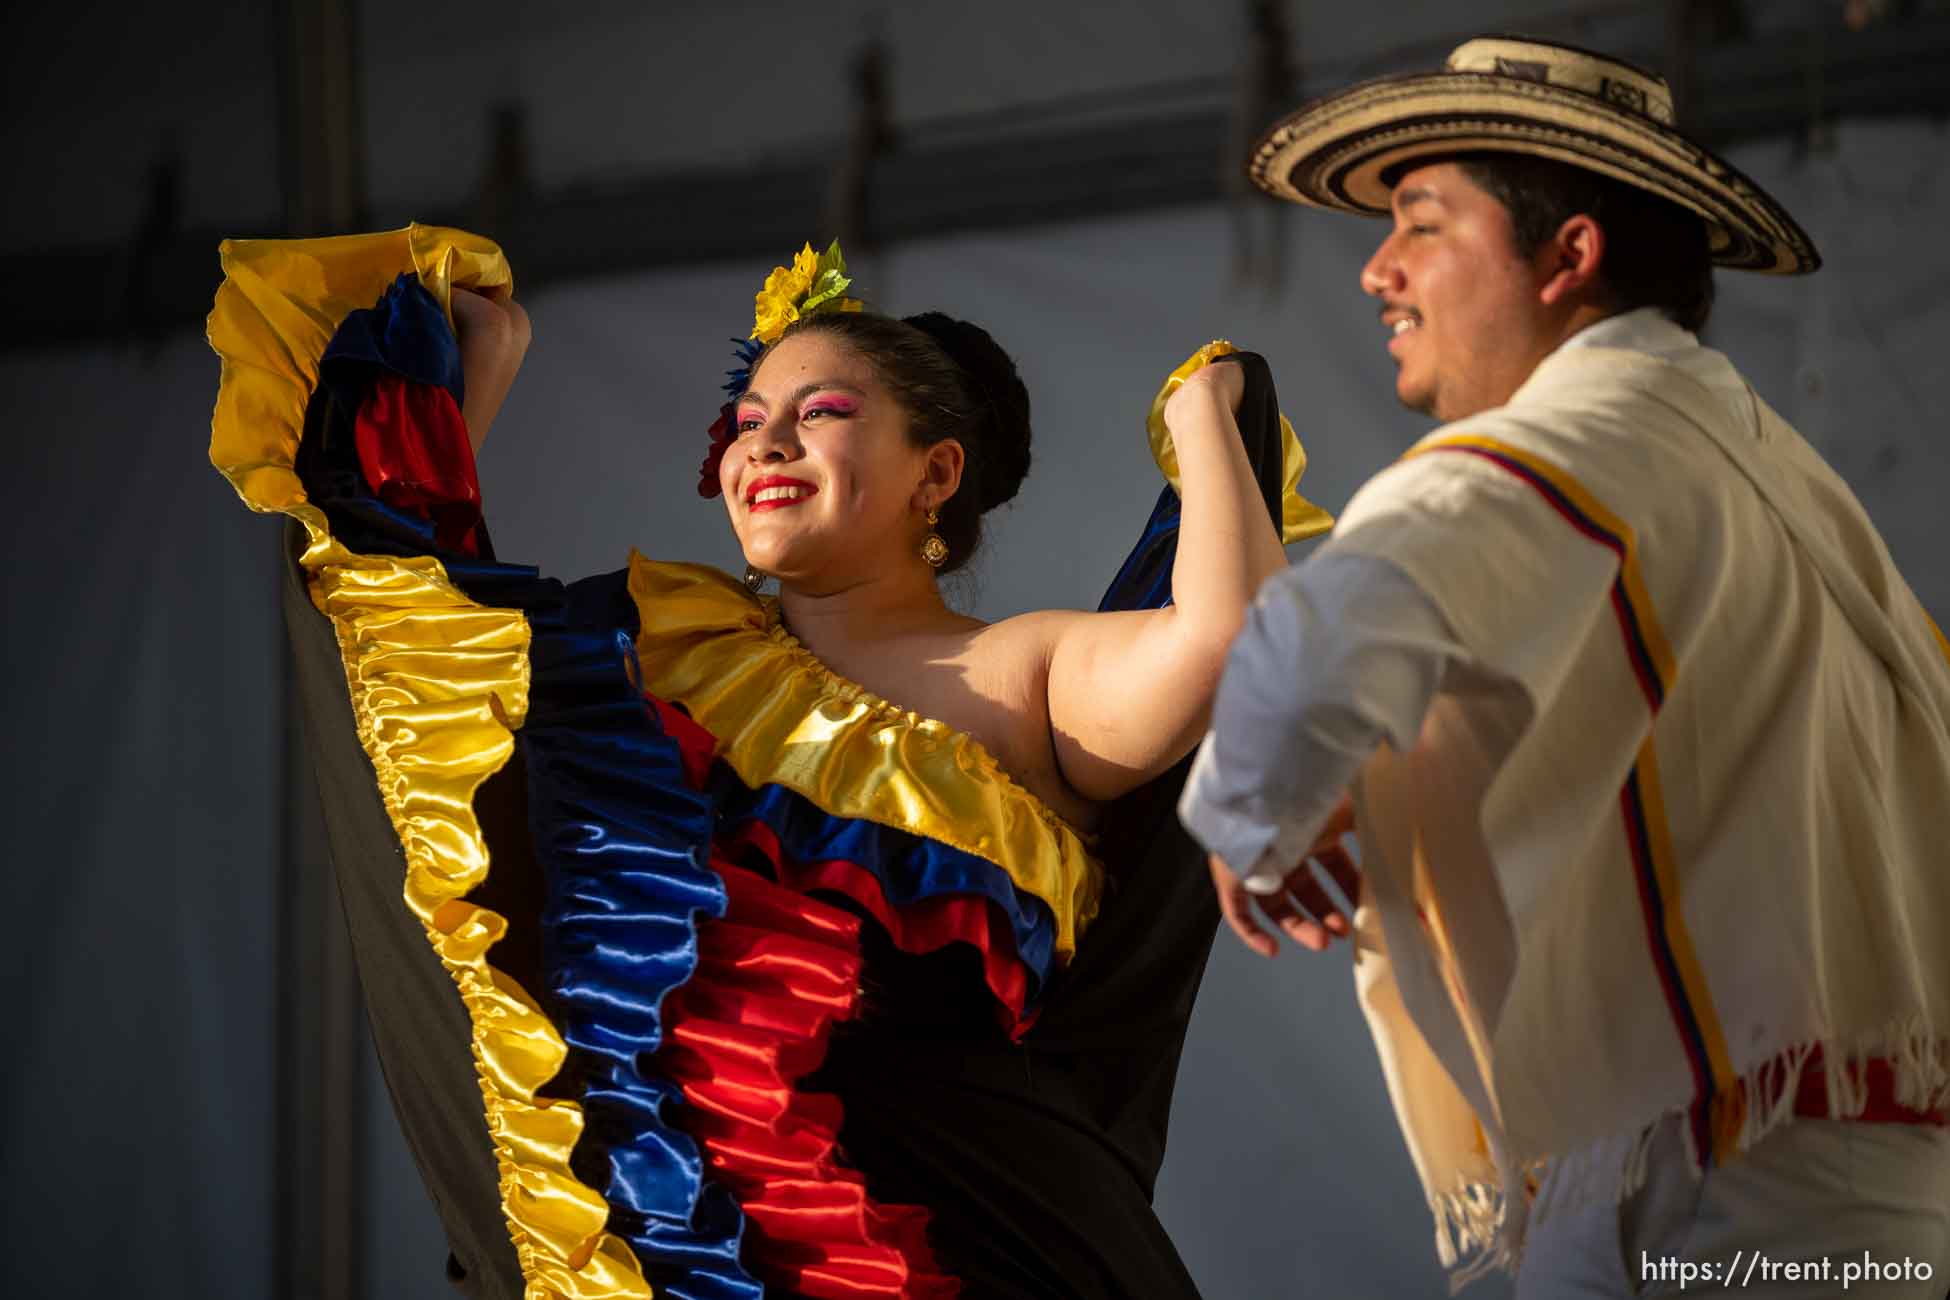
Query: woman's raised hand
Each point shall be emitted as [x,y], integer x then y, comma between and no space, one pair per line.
[493,333]
[1219,381]
[1130,692]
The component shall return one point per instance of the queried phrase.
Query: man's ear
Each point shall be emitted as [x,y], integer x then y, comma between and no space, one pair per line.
[940,474]
[1570,261]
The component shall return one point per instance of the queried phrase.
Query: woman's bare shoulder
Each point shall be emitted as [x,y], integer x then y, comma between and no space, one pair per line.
[1033,631]
[1037,636]
[1004,669]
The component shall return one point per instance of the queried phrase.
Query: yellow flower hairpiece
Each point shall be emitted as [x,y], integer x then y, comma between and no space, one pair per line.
[812,284]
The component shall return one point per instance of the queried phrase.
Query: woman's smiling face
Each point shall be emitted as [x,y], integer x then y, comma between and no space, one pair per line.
[820,480]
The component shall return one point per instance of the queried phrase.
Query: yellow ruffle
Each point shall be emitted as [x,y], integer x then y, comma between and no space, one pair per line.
[437,682]
[782,717]
[1299,517]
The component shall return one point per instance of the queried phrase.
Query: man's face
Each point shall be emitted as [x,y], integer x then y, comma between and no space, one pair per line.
[1466,322]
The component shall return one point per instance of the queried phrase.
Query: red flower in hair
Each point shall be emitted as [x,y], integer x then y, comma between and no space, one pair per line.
[722,435]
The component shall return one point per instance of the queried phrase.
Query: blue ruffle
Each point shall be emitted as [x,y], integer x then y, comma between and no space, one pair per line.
[909,867]
[405,332]
[623,842]
[621,837]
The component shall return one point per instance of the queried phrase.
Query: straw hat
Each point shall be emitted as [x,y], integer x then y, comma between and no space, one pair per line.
[1510,95]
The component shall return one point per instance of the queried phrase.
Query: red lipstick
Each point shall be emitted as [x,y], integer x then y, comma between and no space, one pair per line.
[796,492]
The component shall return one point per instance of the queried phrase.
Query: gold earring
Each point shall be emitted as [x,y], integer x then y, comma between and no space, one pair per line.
[933,549]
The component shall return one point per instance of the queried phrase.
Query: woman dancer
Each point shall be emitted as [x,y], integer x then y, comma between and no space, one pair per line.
[990,1113]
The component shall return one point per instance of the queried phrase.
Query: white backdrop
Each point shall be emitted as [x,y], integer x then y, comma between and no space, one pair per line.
[141,701]
[141,688]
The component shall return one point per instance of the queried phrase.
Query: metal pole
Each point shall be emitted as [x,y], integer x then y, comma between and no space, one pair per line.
[320,1040]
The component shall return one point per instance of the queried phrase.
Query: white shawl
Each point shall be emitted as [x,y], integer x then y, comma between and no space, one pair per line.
[1716,834]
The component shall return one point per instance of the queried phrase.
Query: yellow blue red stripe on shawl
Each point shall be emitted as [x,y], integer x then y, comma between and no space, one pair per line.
[1719,1103]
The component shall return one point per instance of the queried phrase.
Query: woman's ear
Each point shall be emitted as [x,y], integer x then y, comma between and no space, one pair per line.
[940,474]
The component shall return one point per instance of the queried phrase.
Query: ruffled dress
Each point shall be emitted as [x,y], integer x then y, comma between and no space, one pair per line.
[694,969]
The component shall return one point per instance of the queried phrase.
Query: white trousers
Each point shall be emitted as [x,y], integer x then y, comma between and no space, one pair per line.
[1817,1208]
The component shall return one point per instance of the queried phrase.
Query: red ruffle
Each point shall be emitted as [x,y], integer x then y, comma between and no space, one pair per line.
[415,453]
[923,926]
[773,975]
[697,747]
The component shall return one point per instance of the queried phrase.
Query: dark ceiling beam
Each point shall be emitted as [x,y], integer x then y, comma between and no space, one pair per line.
[952,180]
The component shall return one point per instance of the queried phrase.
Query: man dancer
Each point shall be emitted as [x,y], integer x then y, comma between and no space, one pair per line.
[1648,741]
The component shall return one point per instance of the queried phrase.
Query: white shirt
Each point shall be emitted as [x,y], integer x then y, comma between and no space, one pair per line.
[1338,653]
[1699,835]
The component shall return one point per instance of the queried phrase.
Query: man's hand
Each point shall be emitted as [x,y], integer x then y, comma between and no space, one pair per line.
[493,333]
[1302,908]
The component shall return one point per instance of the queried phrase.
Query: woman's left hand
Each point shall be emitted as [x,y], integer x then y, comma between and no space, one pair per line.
[1221,381]
[1130,691]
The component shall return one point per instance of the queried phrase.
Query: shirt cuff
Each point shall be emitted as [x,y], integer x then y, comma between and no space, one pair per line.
[1336,655]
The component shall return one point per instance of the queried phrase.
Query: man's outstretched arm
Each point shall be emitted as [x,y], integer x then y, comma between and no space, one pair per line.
[1337,655]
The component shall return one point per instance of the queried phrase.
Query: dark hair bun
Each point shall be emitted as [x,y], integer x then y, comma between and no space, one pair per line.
[1002,461]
